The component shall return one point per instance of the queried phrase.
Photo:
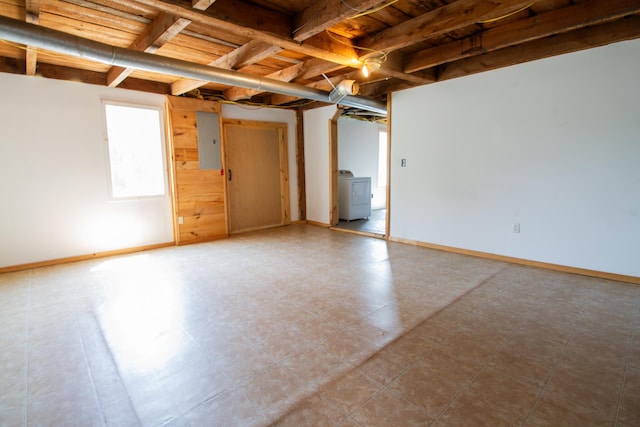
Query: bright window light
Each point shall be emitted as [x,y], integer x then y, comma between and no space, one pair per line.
[382,159]
[134,137]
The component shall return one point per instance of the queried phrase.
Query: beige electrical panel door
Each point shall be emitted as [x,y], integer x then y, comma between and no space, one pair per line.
[257,174]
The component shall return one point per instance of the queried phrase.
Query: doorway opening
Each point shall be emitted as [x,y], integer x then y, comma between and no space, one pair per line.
[361,156]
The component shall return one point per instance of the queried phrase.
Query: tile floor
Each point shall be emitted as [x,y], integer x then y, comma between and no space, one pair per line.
[302,326]
[375,224]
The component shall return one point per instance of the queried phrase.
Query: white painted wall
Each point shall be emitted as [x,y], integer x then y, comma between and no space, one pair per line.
[316,155]
[553,145]
[274,115]
[53,180]
[358,151]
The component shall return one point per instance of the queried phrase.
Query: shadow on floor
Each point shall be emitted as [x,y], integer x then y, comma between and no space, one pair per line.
[376,223]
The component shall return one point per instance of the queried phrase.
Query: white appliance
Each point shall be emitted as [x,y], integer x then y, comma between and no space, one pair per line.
[354,196]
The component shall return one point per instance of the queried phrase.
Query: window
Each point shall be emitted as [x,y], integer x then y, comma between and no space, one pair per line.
[382,159]
[134,137]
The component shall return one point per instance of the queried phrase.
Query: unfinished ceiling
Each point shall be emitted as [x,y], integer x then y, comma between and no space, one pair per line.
[307,42]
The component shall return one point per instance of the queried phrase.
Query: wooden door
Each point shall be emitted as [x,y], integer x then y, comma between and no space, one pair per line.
[257,174]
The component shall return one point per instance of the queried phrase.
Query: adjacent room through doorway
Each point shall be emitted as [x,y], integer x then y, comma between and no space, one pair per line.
[362,158]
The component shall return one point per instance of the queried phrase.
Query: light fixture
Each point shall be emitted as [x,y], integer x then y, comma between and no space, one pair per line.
[371,65]
[342,89]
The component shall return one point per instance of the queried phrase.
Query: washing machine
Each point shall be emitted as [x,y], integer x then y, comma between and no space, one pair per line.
[354,196]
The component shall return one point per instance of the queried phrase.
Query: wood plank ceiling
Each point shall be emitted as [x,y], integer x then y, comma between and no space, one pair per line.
[416,42]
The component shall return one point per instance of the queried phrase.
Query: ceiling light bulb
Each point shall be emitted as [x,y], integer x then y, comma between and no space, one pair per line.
[371,65]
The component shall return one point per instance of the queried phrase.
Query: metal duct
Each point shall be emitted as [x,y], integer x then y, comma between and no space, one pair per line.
[46,38]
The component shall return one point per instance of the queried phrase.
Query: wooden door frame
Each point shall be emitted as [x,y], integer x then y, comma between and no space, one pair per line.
[333,169]
[282,129]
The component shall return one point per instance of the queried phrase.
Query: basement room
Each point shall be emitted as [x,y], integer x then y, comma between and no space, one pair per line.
[319,213]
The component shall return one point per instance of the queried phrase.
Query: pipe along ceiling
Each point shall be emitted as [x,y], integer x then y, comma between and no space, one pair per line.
[45,38]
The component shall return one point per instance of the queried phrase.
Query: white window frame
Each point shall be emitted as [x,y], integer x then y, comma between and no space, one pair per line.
[163,153]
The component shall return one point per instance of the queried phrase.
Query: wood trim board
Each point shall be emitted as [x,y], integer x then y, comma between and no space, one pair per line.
[85,257]
[521,261]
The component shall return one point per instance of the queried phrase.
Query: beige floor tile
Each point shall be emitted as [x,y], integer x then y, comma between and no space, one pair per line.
[410,346]
[634,351]
[196,385]
[120,413]
[553,411]
[389,338]
[379,337]
[313,411]
[632,382]
[386,409]
[520,366]
[240,365]
[457,368]
[468,410]
[229,409]
[629,414]
[12,405]
[385,366]
[351,391]
[283,343]
[594,391]
[348,346]
[76,405]
[348,422]
[432,331]
[273,388]
[313,365]
[498,389]
[426,389]
[536,345]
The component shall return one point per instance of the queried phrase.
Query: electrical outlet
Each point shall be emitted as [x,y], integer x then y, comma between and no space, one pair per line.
[403,163]
[516,227]
[180,220]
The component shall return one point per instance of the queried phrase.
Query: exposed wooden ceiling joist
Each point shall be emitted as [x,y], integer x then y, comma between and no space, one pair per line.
[419,42]
[445,19]
[250,53]
[584,38]
[277,34]
[557,21]
[202,4]
[324,14]
[32,16]
[162,29]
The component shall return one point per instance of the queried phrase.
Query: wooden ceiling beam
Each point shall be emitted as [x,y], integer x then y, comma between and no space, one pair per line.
[32,16]
[162,29]
[247,54]
[334,48]
[298,73]
[285,75]
[394,67]
[569,18]
[322,15]
[202,4]
[439,21]
[316,67]
[585,38]
[260,27]
[379,88]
